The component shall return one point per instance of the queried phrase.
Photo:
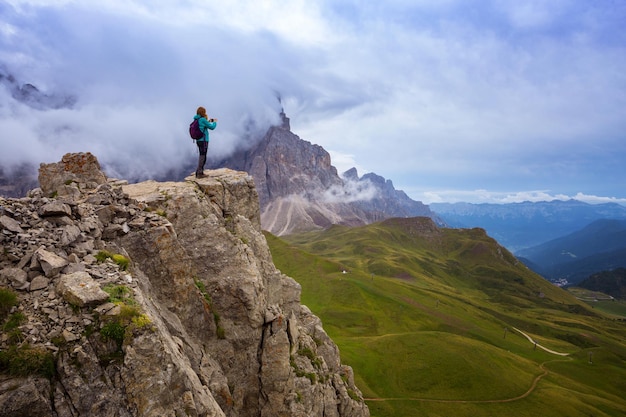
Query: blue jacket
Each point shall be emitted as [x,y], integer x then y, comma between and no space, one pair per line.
[205,126]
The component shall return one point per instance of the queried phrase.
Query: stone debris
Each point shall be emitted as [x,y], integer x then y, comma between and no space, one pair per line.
[220,333]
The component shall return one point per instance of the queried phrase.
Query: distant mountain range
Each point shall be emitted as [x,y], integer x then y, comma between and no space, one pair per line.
[601,246]
[523,225]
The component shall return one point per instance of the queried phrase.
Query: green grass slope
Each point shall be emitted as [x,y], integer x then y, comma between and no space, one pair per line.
[431,320]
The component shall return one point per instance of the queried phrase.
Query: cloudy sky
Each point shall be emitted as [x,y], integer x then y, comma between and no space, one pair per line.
[453,100]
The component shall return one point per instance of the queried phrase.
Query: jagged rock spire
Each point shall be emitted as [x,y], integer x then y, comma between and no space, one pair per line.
[285,120]
[283,117]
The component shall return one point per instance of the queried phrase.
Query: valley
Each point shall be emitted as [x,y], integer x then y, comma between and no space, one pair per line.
[431,320]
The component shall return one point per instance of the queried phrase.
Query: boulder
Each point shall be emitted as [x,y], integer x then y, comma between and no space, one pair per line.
[16,276]
[69,234]
[50,263]
[55,208]
[80,289]
[39,283]
[10,224]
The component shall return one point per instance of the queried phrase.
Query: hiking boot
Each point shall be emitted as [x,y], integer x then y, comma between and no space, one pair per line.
[201,175]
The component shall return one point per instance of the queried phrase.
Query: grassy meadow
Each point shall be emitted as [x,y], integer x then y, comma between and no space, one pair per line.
[431,320]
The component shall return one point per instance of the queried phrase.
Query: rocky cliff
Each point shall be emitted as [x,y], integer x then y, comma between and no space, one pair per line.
[155,299]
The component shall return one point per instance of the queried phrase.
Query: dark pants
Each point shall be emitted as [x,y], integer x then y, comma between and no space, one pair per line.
[203,147]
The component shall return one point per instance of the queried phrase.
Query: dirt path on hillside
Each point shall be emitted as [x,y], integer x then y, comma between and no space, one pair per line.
[504,400]
[533,385]
[539,346]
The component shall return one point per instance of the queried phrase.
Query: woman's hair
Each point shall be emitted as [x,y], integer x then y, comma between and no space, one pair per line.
[201,111]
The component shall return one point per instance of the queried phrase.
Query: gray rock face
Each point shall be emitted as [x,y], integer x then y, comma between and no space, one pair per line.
[200,324]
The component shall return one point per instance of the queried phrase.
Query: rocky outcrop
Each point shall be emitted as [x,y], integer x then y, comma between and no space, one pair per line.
[156,299]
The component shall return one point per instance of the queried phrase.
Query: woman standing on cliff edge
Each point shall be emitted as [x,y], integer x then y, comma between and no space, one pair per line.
[206,124]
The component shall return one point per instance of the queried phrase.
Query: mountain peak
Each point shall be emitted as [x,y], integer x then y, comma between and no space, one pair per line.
[351,174]
[300,190]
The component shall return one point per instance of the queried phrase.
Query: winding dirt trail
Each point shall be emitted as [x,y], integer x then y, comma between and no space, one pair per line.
[531,340]
[532,387]
[505,400]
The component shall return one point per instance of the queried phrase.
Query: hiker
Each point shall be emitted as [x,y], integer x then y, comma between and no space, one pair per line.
[203,143]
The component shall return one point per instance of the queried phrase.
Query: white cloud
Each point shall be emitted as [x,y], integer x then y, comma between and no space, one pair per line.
[425,91]
[349,192]
[138,85]
[594,199]
[505,197]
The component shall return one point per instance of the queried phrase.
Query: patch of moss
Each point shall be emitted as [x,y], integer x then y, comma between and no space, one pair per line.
[130,317]
[352,394]
[24,361]
[119,327]
[141,321]
[311,376]
[8,299]
[14,321]
[119,294]
[113,330]
[122,261]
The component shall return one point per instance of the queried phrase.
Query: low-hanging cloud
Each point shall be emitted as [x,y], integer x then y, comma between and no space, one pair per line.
[137,83]
[439,94]
[507,197]
[350,191]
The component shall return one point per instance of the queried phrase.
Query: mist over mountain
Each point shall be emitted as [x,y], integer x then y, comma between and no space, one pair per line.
[136,125]
[31,96]
[298,186]
[16,182]
[18,176]
[523,225]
